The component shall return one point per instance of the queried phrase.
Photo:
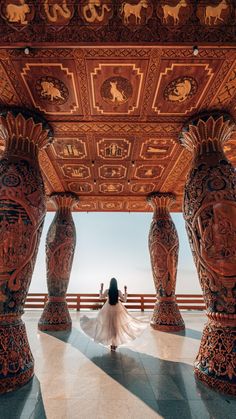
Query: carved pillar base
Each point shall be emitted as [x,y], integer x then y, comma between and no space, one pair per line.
[166,317]
[16,359]
[55,315]
[215,364]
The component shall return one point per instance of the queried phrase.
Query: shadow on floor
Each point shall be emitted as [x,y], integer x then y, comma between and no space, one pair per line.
[188,333]
[25,403]
[169,388]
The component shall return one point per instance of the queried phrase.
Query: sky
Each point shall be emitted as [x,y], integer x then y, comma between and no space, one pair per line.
[116,245]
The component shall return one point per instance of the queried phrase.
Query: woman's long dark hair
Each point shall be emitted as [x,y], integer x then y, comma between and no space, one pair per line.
[113,292]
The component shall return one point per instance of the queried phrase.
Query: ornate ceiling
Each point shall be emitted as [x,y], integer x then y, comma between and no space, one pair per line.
[117,80]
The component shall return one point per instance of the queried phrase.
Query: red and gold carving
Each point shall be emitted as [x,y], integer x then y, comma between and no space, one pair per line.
[181,87]
[60,247]
[57,13]
[116,88]
[136,13]
[164,248]
[210,214]
[214,13]
[113,148]
[22,211]
[174,12]
[95,13]
[148,172]
[70,148]
[76,171]
[110,171]
[51,87]
[157,149]
[17,13]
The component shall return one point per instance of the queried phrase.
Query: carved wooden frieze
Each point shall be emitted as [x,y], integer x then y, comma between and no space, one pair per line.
[112,171]
[148,172]
[80,187]
[135,14]
[215,13]
[174,13]
[17,14]
[57,14]
[95,13]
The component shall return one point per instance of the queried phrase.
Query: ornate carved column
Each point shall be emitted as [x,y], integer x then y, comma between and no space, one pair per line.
[60,247]
[210,215]
[22,211]
[164,249]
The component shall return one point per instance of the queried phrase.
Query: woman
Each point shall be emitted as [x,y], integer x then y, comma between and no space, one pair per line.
[113,325]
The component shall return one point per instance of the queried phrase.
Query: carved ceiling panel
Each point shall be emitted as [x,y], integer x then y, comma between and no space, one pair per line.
[117,111]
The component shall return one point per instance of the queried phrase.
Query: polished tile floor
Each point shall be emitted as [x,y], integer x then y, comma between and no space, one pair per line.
[150,378]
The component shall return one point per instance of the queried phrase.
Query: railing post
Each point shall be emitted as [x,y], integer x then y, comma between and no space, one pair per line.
[142,303]
[78,302]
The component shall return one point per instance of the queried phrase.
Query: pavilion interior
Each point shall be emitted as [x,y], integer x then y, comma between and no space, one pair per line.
[117,85]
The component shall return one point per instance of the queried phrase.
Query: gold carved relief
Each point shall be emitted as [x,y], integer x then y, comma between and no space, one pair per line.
[111,187]
[17,13]
[113,148]
[214,14]
[95,12]
[173,13]
[69,148]
[137,13]
[76,171]
[57,13]
[112,171]
[148,172]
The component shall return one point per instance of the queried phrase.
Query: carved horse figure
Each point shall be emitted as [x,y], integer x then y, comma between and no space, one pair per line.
[133,9]
[173,11]
[16,13]
[55,10]
[215,12]
[91,13]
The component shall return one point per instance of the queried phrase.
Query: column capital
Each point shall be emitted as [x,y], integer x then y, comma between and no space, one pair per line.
[161,200]
[26,127]
[207,132]
[64,199]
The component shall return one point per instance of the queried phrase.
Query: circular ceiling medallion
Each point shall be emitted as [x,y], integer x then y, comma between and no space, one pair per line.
[51,90]
[116,90]
[180,89]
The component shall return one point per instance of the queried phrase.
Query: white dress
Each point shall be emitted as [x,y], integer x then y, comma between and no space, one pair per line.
[113,324]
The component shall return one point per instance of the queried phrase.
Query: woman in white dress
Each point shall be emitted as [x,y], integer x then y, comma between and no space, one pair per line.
[114,325]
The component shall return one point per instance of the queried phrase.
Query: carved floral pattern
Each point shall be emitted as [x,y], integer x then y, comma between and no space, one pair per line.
[164,248]
[60,246]
[22,211]
[210,211]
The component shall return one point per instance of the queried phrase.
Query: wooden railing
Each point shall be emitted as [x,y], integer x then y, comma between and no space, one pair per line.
[134,301]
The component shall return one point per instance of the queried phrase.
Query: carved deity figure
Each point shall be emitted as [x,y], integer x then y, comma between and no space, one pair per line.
[173,11]
[214,12]
[117,95]
[128,10]
[55,11]
[181,91]
[48,89]
[91,11]
[16,13]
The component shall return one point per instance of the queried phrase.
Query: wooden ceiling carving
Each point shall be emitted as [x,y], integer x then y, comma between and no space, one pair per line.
[117,80]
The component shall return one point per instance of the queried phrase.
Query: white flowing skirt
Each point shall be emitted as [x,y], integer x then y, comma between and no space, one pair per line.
[113,325]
